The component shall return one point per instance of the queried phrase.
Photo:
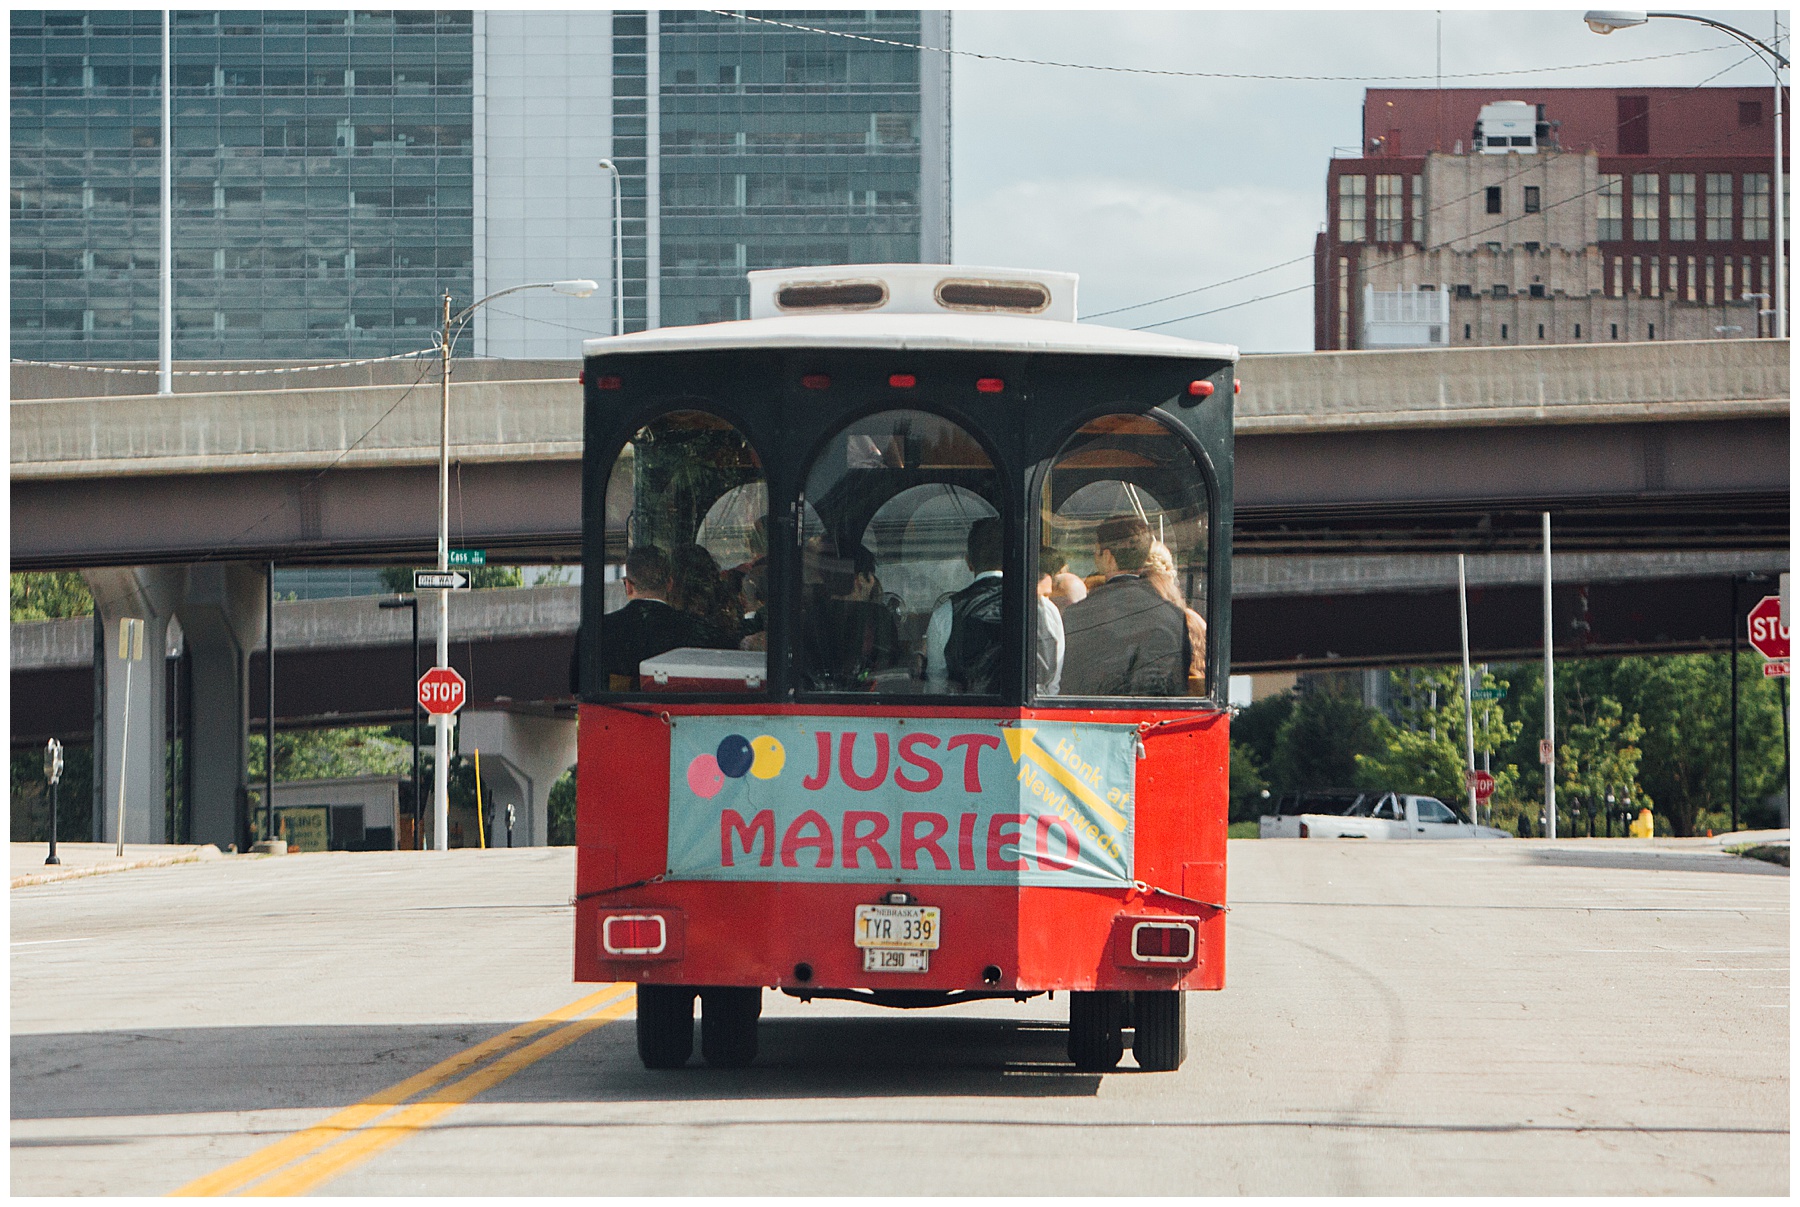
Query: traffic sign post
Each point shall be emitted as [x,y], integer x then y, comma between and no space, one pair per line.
[442,691]
[441,580]
[1483,784]
[1768,636]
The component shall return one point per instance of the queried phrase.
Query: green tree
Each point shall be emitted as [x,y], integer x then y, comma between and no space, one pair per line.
[1247,785]
[1600,758]
[562,810]
[1316,746]
[319,754]
[1427,751]
[50,595]
[1256,726]
[399,579]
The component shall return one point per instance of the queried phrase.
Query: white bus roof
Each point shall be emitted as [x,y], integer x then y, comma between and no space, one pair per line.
[904,307]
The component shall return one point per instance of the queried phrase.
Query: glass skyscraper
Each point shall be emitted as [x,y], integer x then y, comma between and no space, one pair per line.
[336,172]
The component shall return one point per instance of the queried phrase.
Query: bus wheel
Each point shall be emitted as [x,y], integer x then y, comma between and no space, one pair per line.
[1096,1029]
[665,1025]
[728,1018]
[1160,1043]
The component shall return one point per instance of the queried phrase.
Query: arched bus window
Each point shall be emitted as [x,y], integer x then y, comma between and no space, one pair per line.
[1123,560]
[686,580]
[901,552]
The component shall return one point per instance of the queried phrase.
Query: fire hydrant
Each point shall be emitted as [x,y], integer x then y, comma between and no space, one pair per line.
[1644,826]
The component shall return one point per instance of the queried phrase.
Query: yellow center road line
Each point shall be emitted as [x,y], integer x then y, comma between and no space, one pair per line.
[335,1160]
[238,1175]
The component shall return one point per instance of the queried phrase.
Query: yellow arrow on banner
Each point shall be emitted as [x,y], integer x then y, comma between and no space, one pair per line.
[1022,743]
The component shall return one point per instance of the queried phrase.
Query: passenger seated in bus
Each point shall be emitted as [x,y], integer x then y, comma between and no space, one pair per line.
[701,591]
[648,624]
[851,631]
[1159,572]
[1066,588]
[1124,639]
[748,581]
[964,638]
[1050,639]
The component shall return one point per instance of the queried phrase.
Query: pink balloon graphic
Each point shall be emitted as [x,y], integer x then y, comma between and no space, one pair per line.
[704,776]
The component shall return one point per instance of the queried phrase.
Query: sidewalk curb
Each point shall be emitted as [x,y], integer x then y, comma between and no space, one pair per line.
[204,854]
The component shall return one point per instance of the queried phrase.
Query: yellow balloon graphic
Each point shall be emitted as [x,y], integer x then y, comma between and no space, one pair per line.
[769,757]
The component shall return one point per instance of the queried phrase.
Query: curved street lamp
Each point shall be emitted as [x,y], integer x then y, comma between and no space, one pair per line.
[440,801]
[618,190]
[1604,21]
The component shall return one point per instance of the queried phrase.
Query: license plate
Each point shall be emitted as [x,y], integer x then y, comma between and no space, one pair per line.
[896,959]
[909,927]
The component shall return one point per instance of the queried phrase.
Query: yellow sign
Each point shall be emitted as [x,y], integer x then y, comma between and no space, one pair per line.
[306,827]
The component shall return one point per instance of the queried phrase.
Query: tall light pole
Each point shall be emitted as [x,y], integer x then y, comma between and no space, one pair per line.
[165,269]
[1604,21]
[618,246]
[440,803]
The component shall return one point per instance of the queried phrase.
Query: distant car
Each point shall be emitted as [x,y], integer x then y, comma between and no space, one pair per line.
[1382,815]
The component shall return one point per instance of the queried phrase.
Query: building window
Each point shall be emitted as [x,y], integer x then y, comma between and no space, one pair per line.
[1645,207]
[1504,332]
[1577,330]
[1533,199]
[1416,233]
[1465,291]
[1501,291]
[1493,249]
[1493,199]
[1540,331]
[1655,277]
[1466,330]
[1718,205]
[1756,205]
[1618,276]
[1749,113]
[1532,248]
[1615,331]
[1537,291]
[1612,207]
[1681,205]
[1652,330]
[1389,227]
[1692,284]
[1343,340]
[1711,290]
[1637,275]
[1353,209]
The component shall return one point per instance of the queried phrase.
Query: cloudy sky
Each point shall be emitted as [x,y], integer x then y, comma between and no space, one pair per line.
[1148,185]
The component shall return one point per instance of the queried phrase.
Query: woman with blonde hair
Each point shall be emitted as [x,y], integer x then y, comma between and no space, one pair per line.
[1159,572]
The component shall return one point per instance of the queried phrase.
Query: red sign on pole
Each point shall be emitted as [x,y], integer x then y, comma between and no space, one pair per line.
[1768,636]
[1483,783]
[442,690]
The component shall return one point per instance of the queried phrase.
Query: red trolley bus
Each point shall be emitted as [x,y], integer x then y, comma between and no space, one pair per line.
[903,660]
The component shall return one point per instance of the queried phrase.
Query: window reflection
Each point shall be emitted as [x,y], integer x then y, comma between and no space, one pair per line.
[1123,562]
[901,546]
[686,578]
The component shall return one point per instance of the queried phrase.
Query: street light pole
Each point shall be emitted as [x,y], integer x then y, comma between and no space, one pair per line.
[440,804]
[618,246]
[1604,21]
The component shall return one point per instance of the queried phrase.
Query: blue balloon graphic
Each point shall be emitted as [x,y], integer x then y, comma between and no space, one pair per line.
[735,756]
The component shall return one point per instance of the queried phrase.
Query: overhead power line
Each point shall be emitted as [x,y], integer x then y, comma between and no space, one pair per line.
[1195,75]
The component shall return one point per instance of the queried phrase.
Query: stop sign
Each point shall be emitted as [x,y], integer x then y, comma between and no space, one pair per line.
[442,690]
[1483,783]
[1767,634]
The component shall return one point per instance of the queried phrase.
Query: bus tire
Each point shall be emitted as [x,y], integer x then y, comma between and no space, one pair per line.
[665,1025]
[1160,1041]
[1096,1029]
[728,1019]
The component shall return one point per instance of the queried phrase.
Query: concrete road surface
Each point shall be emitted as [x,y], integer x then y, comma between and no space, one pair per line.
[1400,1018]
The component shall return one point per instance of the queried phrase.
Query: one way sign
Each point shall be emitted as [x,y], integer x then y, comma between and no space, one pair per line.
[440,580]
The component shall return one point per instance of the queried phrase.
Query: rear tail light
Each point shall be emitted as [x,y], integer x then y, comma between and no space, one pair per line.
[902,381]
[1200,389]
[608,383]
[1163,942]
[634,935]
[989,385]
[1304,832]
[816,381]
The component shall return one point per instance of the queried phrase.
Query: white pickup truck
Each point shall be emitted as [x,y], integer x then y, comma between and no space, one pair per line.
[1382,815]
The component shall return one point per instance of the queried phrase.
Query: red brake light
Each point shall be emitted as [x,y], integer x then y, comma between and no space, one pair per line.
[816,381]
[1200,389]
[634,934]
[903,381]
[1237,387]
[1304,832]
[608,383]
[990,385]
[1163,942]
[581,377]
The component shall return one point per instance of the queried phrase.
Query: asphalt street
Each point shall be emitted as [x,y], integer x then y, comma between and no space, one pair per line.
[1399,1018]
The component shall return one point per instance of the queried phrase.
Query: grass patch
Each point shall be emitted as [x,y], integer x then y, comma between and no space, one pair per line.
[1768,852]
[1244,829]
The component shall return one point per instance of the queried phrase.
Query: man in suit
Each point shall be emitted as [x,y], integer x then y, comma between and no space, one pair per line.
[648,624]
[1124,639]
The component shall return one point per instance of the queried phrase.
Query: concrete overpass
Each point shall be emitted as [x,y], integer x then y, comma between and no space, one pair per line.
[1656,450]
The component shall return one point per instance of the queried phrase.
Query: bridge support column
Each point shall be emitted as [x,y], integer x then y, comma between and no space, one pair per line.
[148,593]
[522,756]
[221,618]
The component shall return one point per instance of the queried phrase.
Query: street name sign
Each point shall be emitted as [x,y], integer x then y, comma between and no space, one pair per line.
[440,580]
[442,690]
[1489,693]
[468,557]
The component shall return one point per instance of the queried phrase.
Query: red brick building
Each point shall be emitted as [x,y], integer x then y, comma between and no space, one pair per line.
[1598,214]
